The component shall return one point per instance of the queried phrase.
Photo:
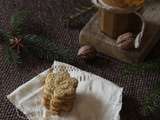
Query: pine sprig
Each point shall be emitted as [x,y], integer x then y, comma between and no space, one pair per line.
[148,66]
[44,48]
[18,43]
[152,102]
[11,56]
[19,22]
[78,19]
[5,36]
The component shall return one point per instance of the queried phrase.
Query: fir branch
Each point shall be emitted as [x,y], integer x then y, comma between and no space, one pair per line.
[5,36]
[152,102]
[19,22]
[11,56]
[43,48]
[78,19]
[148,66]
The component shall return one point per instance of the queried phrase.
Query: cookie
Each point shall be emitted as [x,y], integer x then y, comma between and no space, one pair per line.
[68,83]
[60,77]
[66,99]
[59,92]
[53,108]
[74,82]
[49,83]
[46,102]
[59,103]
[49,77]
[55,112]
[67,108]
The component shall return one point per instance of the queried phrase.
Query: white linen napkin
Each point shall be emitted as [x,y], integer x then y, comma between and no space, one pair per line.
[97,98]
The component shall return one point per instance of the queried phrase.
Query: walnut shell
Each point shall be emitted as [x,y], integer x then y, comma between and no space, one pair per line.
[126,41]
[87,52]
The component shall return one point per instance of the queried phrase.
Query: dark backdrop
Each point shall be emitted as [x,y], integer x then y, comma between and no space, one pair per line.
[47,15]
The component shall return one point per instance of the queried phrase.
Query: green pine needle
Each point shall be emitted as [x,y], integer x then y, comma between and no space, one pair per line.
[152,102]
[78,19]
[5,36]
[11,56]
[148,66]
[37,46]
[43,48]
[19,22]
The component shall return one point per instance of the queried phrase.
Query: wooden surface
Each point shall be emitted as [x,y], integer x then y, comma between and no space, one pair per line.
[91,34]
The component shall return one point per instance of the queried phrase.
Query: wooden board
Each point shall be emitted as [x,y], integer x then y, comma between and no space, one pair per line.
[92,35]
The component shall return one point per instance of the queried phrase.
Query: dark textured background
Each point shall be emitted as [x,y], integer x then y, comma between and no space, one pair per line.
[47,14]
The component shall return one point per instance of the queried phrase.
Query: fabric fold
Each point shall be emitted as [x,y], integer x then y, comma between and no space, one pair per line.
[97,98]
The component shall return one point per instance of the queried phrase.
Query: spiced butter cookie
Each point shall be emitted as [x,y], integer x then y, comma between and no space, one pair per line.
[59,92]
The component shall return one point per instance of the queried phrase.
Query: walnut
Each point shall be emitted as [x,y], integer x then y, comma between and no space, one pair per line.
[126,41]
[87,52]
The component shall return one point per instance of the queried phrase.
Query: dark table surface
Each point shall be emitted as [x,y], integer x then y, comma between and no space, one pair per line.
[47,14]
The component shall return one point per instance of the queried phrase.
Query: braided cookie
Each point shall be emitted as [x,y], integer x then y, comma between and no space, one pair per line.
[59,92]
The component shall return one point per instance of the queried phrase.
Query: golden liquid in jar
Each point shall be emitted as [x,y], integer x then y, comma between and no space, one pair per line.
[125,3]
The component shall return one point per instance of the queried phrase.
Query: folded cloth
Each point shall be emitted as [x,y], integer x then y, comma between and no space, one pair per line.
[97,98]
